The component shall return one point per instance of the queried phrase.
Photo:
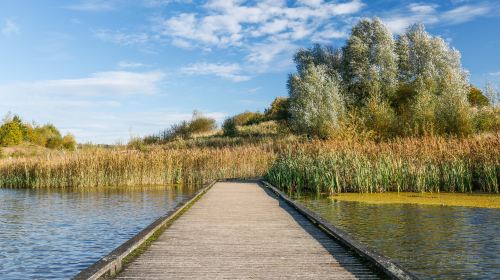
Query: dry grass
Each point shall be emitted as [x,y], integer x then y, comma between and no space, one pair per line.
[158,166]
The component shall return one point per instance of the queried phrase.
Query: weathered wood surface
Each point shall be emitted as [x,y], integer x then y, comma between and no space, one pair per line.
[242,231]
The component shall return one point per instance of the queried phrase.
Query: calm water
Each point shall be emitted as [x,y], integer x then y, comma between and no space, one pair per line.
[434,242]
[54,234]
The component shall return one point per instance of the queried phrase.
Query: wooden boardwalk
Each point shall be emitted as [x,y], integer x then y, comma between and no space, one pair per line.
[242,231]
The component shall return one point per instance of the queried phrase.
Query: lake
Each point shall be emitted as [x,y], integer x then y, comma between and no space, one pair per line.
[54,233]
[433,242]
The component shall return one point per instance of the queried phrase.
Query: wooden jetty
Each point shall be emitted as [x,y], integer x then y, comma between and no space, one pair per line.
[244,230]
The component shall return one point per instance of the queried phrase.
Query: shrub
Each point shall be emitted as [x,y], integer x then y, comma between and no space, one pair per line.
[476,97]
[69,142]
[487,119]
[248,118]
[10,134]
[279,109]
[201,124]
[229,127]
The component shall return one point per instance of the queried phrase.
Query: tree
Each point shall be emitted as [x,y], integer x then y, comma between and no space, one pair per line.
[278,110]
[370,61]
[427,63]
[318,55]
[229,127]
[316,104]
[11,134]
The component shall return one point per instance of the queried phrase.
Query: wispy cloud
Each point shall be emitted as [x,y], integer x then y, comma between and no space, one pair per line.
[131,65]
[122,38]
[495,73]
[231,71]
[88,106]
[10,28]
[429,14]
[98,84]
[93,5]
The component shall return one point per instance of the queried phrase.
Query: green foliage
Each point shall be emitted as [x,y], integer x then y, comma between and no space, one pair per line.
[229,127]
[279,109]
[413,86]
[201,124]
[69,142]
[316,104]
[477,98]
[317,55]
[248,118]
[14,131]
[487,119]
[379,117]
[11,134]
[369,61]
[184,130]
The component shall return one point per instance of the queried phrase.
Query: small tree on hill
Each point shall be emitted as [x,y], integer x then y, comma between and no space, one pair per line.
[11,134]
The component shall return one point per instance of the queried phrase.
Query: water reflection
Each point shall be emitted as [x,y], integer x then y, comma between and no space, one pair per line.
[54,233]
[435,242]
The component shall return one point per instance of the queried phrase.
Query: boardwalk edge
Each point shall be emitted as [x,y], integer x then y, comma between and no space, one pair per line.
[383,263]
[112,263]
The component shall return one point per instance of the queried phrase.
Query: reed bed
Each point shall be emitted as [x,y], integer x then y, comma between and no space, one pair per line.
[157,166]
[403,165]
[432,164]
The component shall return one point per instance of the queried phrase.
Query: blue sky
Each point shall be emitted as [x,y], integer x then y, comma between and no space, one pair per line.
[106,70]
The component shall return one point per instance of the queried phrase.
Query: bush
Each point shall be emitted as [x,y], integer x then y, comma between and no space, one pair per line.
[316,104]
[487,119]
[69,142]
[279,110]
[229,127]
[477,98]
[453,115]
[248,118]
[10,134]
[201,124]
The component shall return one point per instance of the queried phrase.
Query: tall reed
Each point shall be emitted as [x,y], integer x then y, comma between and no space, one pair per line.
[416,165]
[104,167]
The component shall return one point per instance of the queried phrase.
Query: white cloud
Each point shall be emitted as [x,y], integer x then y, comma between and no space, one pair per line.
[122,38]
[231,71]
[97,84]
[495,73]
[465,13]
[10,28]
[428,14]
[423,8]
[131,65]
[99,107]
[253,25]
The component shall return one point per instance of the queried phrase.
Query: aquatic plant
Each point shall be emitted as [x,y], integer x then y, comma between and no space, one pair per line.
[430,164]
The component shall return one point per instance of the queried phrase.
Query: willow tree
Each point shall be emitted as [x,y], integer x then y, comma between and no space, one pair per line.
[316,104]
[369,61]
[432,69]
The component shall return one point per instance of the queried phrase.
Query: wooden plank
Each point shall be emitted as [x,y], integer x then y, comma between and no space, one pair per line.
[240,230]
[388,266]
[112,263]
